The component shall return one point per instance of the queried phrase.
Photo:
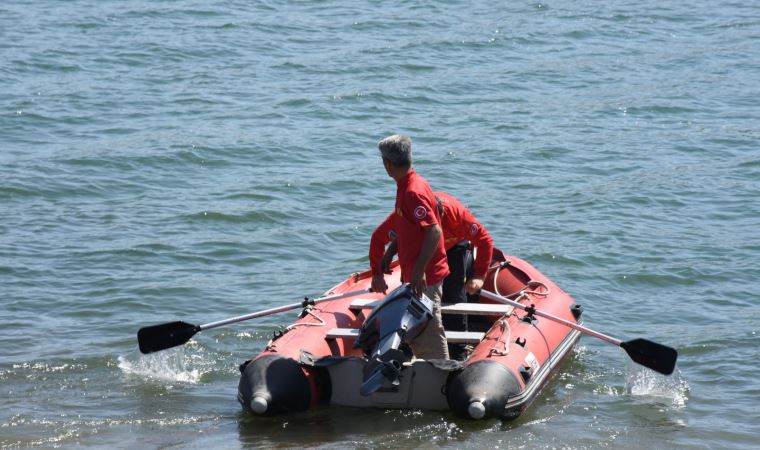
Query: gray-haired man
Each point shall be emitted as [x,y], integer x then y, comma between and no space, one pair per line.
[421,252]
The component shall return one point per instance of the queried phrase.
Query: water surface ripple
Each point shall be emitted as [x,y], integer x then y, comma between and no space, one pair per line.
[192,160]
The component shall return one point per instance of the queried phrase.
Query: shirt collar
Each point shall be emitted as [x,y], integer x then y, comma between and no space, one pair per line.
[404,181]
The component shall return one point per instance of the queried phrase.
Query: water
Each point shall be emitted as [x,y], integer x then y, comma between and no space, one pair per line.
[187,160]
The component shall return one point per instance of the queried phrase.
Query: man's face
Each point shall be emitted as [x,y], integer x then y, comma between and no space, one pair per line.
[387,165]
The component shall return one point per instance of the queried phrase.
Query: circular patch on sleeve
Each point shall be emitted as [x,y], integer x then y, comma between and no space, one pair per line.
[420,212]
[474,229]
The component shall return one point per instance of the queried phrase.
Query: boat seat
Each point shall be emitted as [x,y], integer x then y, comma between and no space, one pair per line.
[453,337]
[363,303]
[478,309]
[482,309]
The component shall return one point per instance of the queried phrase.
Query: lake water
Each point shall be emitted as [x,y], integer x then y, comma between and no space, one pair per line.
[186,160]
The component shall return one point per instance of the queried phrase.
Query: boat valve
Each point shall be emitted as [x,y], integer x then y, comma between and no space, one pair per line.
[476,410]
[259,404]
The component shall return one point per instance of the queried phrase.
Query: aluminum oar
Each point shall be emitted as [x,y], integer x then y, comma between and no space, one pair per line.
[657,357]
[167,335]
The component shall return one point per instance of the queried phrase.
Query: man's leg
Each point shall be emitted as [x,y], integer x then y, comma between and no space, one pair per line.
[431,343]
[453,285]
[459,259]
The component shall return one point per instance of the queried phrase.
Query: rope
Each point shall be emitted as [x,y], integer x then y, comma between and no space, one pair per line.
[527,289]
[546,342]
[535,284]
[530,288]
[496,276]
[504,328]
[308,310]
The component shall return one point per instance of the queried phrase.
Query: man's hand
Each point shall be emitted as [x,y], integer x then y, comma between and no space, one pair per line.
[385,264]
[474,285]
[379,284]
[418,284]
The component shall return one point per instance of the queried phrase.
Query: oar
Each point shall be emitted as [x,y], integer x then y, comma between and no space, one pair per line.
[168,335]
[657,357]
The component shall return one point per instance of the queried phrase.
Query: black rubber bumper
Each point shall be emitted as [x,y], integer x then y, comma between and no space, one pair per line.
[481,390]
[277,383]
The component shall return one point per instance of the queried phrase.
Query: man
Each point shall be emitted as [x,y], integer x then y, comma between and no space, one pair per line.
[421,254]
[461,232]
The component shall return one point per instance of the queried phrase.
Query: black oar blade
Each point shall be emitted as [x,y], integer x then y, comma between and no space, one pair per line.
[657,357]
[167,335]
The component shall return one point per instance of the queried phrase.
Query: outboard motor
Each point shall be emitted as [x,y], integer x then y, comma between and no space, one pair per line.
[385,335]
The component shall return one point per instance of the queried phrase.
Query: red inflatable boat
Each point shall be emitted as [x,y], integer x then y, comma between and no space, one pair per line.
[506,354]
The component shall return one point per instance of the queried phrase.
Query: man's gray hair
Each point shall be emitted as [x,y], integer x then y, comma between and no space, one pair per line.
[397,149]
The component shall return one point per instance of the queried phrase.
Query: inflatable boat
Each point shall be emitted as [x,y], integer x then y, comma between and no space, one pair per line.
[350,348]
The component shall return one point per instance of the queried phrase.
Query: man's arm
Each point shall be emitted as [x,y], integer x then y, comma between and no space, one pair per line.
[482,240]
[378,241]
[387,259]
[430,241]
[377,255]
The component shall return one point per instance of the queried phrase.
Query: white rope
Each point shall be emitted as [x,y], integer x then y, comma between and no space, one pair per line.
[526,291]
[308,310]
[504,328]
[271,346]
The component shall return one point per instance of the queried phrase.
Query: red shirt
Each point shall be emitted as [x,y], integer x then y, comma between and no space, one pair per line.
[457,223]
[416,208]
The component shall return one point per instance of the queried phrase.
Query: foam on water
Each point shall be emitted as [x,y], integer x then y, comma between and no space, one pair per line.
[642,382]
[171,365]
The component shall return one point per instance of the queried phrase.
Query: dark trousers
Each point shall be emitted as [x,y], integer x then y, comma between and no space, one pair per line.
[461,268]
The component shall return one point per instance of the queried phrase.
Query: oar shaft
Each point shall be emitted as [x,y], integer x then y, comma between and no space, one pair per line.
[498,298]
[279,309]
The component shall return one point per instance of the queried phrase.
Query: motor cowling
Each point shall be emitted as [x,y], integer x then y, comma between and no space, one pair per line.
[384,336]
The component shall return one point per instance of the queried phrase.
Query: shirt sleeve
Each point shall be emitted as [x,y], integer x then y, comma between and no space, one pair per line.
[382,235]
[466,226]
[421,210]
[481,240]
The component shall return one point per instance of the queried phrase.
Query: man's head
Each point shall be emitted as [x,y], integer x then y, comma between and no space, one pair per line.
[397,150]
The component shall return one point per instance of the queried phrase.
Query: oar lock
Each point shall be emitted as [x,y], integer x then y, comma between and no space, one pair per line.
[530,314]
[308,305]
[577,310]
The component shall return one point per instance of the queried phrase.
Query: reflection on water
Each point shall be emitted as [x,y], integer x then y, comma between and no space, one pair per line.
[356,427]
